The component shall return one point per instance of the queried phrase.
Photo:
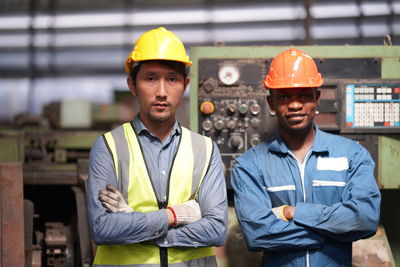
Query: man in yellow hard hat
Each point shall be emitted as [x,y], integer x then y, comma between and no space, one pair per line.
[304,195]
[156,191]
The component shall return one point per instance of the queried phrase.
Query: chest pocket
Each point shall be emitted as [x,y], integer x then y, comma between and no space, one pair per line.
[328,186]
[281,195]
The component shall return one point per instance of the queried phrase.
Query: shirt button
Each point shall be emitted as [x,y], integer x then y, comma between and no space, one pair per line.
[165,242]
[163,172]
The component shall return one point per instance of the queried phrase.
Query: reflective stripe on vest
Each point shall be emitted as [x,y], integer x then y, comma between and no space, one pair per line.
[189,167]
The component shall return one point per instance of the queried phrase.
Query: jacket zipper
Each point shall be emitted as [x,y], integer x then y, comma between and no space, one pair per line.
[302,168]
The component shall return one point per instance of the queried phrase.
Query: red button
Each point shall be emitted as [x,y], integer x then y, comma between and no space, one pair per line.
[207,107]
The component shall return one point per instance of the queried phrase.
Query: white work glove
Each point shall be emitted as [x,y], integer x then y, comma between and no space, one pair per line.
[278,211]
[113,200]
[187,212]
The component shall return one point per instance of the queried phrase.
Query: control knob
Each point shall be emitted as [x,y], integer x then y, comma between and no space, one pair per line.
[235,142]
[255,140]
[231,109]
[255,109]
[219,125]
[209,85]
[231,124]
[207,125]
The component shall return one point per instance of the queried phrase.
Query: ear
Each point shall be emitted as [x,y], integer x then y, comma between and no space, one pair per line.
[131,85]
[186,83]
[318,95]
[270,102]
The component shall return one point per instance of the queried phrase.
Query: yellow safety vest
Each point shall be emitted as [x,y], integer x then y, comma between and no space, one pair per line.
[190,165]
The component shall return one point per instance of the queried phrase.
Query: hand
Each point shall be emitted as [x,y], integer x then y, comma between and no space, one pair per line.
[187,212]
[288,211]
[113,200]
[284,212]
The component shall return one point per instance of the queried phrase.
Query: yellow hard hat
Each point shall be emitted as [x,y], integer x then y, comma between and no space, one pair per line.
[157,44]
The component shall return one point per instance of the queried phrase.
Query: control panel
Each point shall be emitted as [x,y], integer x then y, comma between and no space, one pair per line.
[232,104]
[234,112]
[372,106]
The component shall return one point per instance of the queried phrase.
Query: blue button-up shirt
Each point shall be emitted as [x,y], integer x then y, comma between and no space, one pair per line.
[135,227]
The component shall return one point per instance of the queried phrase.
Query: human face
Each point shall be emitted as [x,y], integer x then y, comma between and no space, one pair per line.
[295,108]
[159,90]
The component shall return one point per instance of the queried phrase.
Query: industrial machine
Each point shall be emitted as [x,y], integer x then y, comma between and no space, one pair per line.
[43,197]
[44,191]
[360,99]
[43,208]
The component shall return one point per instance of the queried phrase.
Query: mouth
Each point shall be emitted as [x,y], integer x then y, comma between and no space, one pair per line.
[160,105]
[296,116]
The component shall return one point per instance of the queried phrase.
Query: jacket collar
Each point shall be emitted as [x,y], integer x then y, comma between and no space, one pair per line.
[320,145]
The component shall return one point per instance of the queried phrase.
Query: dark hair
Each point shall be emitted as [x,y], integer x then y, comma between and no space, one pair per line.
[175,65]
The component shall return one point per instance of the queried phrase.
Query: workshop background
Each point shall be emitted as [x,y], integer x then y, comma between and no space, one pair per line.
[62,83]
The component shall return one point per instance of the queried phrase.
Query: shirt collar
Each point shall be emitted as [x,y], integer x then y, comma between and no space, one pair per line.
[320,142]
[141,129]
[319,145]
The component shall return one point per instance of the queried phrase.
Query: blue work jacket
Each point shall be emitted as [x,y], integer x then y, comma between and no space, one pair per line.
[337,201]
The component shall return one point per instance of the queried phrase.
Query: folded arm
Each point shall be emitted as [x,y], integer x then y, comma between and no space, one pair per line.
[117,228]
[210,230]
[357,215]
[262,228]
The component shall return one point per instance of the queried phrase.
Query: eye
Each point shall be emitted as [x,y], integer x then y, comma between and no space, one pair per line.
[173,78]
[283,97]
[150,78]
[306,96]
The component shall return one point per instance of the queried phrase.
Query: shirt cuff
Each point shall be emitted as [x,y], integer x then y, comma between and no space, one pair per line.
[307,214]
[168,240]
[157,222]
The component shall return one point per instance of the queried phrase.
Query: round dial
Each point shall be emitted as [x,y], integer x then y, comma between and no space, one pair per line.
[228,74]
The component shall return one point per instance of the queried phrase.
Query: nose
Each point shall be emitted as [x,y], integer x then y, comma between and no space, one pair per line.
[161,89]
[295,104]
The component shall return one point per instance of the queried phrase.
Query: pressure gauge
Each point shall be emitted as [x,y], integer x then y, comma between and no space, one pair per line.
[228,74]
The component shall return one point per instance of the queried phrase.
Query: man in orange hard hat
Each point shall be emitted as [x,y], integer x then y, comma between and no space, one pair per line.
[156,191]
[304,195]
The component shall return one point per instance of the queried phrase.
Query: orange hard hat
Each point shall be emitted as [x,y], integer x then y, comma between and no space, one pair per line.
[293,68]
